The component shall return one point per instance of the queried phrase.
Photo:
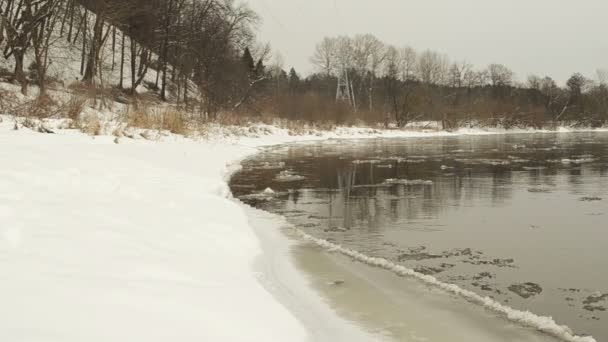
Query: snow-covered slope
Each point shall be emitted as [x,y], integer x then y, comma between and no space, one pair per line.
[130,242]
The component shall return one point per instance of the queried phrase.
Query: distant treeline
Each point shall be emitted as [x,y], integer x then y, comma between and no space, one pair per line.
[205,57]
[388,84]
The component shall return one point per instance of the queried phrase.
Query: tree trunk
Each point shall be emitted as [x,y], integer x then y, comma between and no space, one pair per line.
[72,6]
[165,52]
[84,41]
[113,47]
[122,62]
[19,73]
[133,64]
[93,58]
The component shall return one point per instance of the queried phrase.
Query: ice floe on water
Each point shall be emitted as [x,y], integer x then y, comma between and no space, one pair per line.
[265,195]
[372,161]
[580,160]
[540,190]
[526,290]
[590,199]
[516,159]
[491,162]
[269,166]
[544,324]
[288,176]
[595,301]
[393,181]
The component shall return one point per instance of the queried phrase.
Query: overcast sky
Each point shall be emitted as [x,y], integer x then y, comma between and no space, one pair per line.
[545,37]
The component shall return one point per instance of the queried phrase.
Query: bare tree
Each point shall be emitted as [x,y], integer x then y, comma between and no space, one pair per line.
[324,57]
[458,73]
[22,20]
[409,59]
[432,67]
[41,41]
[602,76]
[534,82]
[106,13]
[500,75]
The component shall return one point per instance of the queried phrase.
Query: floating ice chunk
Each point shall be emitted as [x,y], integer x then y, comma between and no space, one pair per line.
[539,190]
[516,159]
[498,162]
[373,161]
[590,199]
[577,160]
[266,195]
[288,176]
[393,181]
[270,166]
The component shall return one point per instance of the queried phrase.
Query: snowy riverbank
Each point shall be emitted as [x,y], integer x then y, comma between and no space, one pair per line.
[140,241]
[135,241]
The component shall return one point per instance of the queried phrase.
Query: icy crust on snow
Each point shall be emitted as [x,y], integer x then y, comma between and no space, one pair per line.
[525,318]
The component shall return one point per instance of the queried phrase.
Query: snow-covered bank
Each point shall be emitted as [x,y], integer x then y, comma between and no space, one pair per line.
[131,242]
[140,241]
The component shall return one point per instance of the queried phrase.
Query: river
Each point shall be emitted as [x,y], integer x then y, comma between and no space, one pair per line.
[519,218]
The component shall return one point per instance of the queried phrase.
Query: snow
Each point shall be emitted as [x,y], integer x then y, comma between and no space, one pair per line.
[131,242]
[105,239]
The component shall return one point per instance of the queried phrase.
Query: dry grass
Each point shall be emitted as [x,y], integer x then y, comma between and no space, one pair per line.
[7,104]
[233,119]
[118,133]
[174,122]
[40,108]
[73,109]
[168,119]
[91,125]
[141,117]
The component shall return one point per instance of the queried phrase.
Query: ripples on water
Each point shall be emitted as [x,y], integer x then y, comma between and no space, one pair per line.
[520,218]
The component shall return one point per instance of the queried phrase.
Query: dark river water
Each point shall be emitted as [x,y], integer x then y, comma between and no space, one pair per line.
[520,218]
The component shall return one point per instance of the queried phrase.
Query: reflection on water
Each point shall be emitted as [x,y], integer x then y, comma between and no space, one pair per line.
[520,218]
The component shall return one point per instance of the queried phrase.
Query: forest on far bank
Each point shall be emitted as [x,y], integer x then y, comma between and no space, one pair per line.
[203,56]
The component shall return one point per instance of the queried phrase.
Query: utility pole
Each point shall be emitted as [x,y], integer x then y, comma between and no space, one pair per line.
[345,91]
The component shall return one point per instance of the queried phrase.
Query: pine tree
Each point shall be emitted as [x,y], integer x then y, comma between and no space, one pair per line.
[294,80]
[248,62]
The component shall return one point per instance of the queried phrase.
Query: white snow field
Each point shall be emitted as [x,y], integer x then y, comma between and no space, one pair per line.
[137,241]
[141,241]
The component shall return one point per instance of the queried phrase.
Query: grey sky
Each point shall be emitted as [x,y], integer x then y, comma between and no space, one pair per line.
[545,37]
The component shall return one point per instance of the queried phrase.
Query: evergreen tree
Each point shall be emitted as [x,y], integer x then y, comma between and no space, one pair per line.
[293,80]
[248,62]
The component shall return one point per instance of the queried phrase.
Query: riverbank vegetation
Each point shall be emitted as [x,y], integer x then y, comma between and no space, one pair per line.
[175,63]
